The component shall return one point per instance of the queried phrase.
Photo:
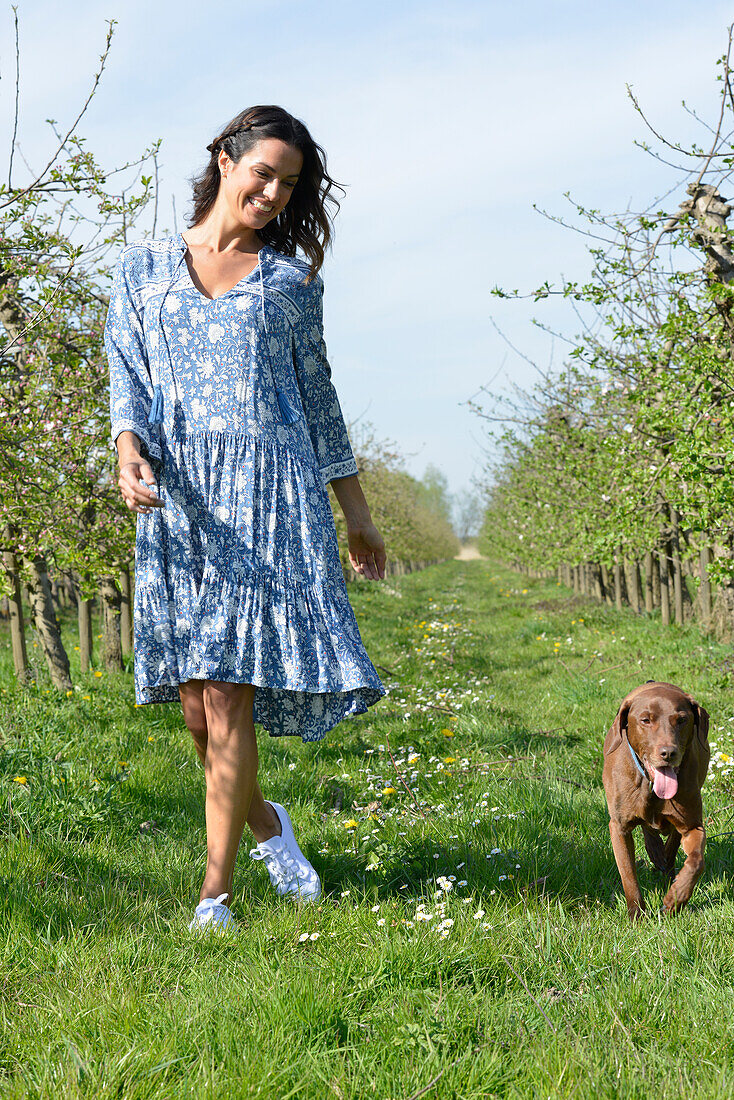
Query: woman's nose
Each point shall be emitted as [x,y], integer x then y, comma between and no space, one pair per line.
[272,190]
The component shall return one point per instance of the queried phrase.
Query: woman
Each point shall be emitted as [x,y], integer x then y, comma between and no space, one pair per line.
[228,429]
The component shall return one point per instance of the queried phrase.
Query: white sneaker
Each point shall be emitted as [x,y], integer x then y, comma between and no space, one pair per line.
[212,916]
[290,872]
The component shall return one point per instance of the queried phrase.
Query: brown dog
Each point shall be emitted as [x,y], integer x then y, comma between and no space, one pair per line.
[656,756]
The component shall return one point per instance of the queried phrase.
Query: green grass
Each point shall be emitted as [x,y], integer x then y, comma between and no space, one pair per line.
[539,988]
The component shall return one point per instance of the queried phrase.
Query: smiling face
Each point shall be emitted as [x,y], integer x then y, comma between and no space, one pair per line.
[259,185]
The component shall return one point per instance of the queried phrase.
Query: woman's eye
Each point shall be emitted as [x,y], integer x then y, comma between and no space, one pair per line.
[263,175]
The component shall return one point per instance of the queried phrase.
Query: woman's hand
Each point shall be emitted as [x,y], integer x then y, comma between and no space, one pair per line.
[367,551]
[137,497]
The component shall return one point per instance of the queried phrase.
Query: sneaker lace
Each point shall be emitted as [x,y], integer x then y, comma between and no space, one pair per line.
[211,914]
[215,909]
[280,863]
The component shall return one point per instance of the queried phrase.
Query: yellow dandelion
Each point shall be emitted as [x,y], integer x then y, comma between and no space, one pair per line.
[69,693]
[87,697]
[449,759]
[98,674]
[389,790]
[351,824]
[151,738]
[20,779]
[447,732]
[122,763]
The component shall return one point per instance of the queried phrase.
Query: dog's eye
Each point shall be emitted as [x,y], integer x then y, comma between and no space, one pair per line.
[645,719]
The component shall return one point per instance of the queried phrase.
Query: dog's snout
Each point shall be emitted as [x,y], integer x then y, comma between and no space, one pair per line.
[668,753]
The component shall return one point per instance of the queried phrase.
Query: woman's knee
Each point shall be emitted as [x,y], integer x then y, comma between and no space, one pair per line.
[194,714]
[227,701]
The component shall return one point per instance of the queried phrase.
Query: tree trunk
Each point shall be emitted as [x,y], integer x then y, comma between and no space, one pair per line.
[606,584]
[618,581]
[47,627]
[657,598]
[15,607]
[633,585]
[111,642]
[126,608]
[649,592]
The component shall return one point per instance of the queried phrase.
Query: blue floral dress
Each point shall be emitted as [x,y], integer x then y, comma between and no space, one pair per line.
[237,577]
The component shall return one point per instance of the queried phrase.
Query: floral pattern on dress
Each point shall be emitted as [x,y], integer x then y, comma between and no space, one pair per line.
[237,577]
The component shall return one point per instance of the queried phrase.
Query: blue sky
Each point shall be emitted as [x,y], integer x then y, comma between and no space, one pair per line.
[447,122]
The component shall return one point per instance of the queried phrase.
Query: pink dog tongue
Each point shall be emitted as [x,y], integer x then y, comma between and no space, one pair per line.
[665,783]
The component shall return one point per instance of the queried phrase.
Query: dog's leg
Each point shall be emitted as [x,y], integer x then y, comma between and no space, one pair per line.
[654,847]
[693,842]
[624,853]
[672,844]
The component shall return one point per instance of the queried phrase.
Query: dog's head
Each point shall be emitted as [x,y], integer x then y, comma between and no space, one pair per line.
[662,723]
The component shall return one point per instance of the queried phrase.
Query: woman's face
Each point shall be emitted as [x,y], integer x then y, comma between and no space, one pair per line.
[259,185]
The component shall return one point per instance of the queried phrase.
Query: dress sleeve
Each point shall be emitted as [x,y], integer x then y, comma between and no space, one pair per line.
[318,396]
[131,386]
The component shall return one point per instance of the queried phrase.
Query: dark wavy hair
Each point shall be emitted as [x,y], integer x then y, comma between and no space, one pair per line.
[304,222]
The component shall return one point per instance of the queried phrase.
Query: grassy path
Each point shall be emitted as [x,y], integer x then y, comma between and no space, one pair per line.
[471,941]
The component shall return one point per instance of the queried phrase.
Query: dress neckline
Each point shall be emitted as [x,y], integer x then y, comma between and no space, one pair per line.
[245,278]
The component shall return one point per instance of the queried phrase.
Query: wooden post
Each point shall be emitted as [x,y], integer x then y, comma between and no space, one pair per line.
[649,594]
[15,607]
[664,587]
[675,564]
[617,583]
[86,648]
[633,585]
[704,592]
[126,609]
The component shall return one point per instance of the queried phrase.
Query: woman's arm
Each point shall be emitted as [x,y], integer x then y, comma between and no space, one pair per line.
[366,548]
[319,398]
[133,467]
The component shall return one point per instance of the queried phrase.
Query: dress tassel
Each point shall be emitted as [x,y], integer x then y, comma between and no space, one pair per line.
[156,412]
[287,411]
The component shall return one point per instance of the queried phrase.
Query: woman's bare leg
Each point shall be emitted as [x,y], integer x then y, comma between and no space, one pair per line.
[219,716]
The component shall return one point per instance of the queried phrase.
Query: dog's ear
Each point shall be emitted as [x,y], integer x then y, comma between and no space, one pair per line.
[701,718]
[614,737]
